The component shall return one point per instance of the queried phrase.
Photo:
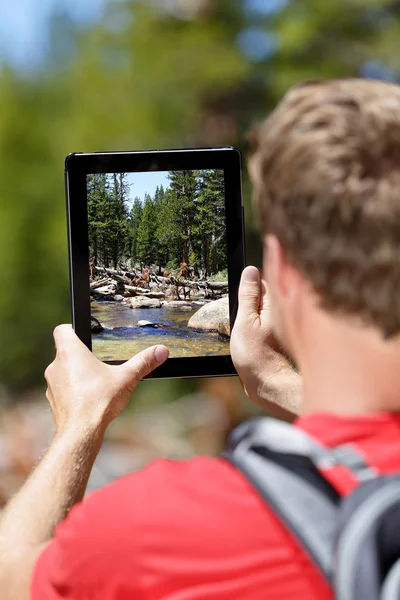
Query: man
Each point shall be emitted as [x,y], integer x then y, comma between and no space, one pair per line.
[326,172]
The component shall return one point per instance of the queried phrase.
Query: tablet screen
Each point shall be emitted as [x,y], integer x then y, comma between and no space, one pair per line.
[158,262]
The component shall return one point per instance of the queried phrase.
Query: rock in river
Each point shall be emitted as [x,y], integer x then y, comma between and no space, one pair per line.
[95,325]
[212,316]
[143,302]
[182,304]
[147,324]
[224,329]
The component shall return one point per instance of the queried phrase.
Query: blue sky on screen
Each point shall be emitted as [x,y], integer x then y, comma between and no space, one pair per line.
[142,183]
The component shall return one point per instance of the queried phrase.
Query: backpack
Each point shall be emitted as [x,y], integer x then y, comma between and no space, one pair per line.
[353,541]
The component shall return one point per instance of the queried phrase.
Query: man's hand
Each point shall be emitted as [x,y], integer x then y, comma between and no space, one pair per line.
[84,392]
[85,395]
[266,375]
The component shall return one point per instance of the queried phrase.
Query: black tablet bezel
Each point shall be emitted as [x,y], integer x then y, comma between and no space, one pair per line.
[79,165]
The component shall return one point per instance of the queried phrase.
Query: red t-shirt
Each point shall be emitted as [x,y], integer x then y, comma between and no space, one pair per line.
[195,530]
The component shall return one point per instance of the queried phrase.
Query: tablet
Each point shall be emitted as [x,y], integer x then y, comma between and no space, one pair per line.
[156,250]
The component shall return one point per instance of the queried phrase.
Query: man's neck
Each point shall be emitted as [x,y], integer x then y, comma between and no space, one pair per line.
[349,370]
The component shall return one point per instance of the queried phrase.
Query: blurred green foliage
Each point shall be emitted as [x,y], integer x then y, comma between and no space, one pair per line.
[149,74]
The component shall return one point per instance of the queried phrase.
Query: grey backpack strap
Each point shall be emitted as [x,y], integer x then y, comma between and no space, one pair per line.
[367,552]
[281,437]
[369,542]
[391,586]
[307,511]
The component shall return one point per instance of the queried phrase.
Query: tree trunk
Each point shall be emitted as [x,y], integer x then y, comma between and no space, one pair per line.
[208,270]
[203,260]
[185,257]
[190,244]
[95,249]
[215,255]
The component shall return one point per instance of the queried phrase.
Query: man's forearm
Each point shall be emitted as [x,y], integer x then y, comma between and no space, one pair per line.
[57,483]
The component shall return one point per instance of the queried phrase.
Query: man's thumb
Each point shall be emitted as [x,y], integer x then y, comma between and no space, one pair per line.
[65,337]
[249,292]
[143,363]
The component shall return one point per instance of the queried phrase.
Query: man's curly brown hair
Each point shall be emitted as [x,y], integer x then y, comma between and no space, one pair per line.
[326,171]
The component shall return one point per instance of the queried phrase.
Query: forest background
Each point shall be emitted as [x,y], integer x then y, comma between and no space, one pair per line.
[145,74]
[142,74]
[181,222]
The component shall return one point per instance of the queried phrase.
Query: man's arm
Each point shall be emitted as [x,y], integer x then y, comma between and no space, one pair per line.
[266,374]
[85,396]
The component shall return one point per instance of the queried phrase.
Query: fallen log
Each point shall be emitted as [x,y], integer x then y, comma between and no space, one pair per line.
[100,283]
[106,270]
[105,291]
[217,285]
[212,285]
[118,275]
[111,272]
[136,290]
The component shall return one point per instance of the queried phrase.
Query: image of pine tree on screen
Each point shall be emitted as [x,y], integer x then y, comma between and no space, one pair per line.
[158,263]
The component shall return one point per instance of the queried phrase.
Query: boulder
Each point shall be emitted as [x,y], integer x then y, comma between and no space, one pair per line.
[118,297]
[212,316]
[224,329]
[147,324]
[95,325]
[179,304]
[144,302]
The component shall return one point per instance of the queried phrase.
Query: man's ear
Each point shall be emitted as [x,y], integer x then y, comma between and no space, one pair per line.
[288,282]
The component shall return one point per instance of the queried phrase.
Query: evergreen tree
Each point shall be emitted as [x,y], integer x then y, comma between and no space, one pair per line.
[135,218]
[185,222]
[182,209]
[117,225]
[146,242]
[168,231]
[210,224]
[162,250]
[97,195]
[107,217]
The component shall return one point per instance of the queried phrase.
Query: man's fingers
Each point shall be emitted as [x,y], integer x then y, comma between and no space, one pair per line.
[249,293]
[143,363]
